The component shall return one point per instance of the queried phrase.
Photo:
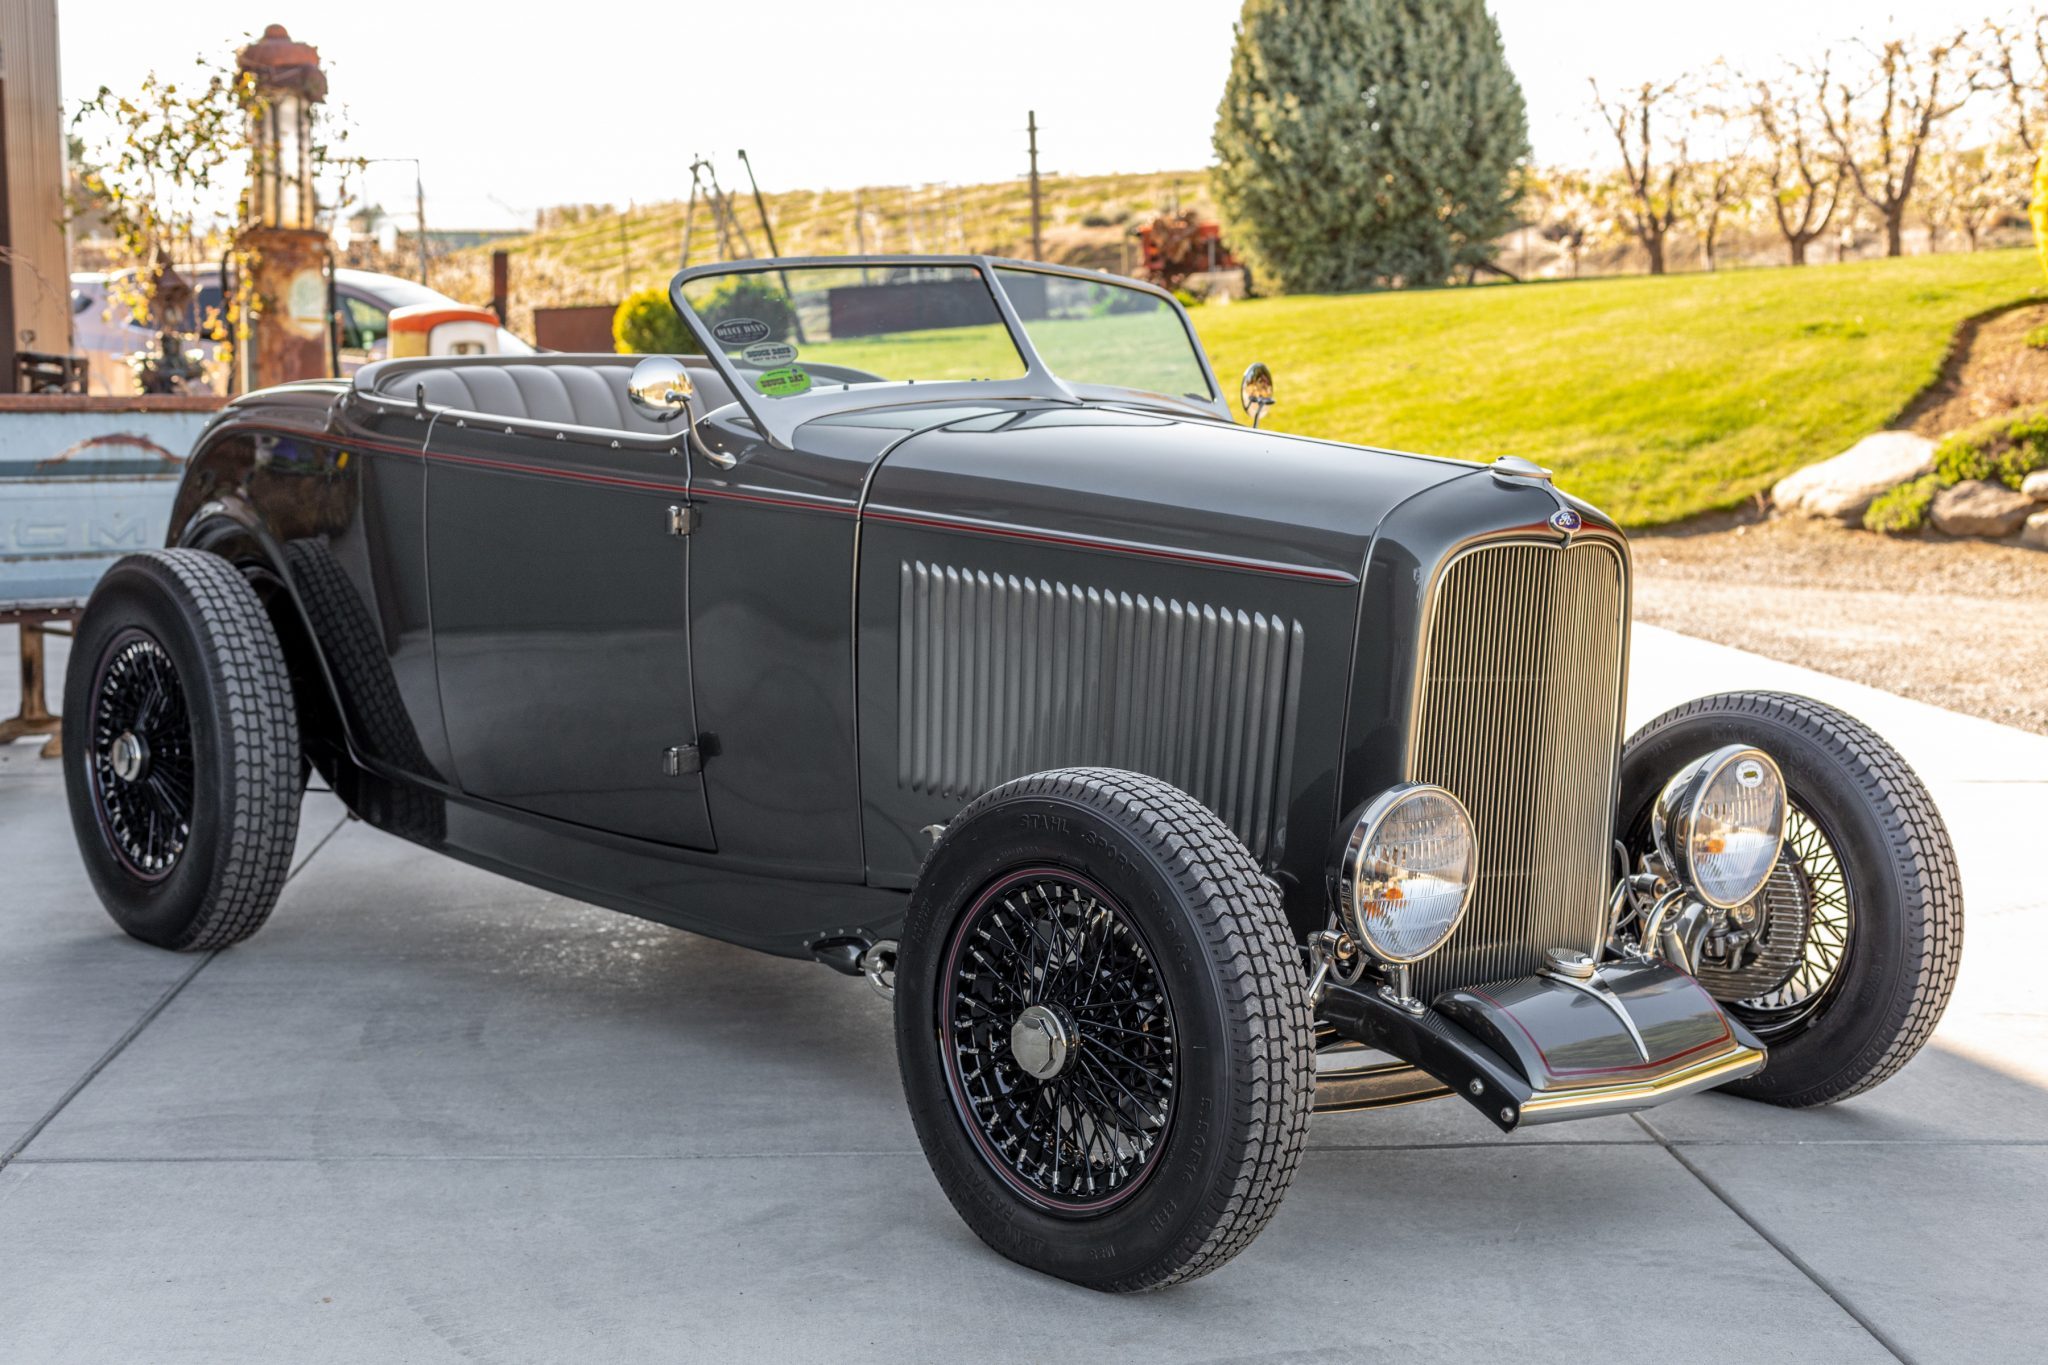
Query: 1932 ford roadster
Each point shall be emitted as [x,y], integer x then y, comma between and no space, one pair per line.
[1178,778]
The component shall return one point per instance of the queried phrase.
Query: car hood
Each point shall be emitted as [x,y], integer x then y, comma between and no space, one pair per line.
[1184,487]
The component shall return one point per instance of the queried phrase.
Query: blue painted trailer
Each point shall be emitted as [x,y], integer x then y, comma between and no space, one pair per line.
[83,481]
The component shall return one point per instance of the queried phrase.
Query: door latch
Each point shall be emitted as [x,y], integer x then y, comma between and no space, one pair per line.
[682,761]
[682,519]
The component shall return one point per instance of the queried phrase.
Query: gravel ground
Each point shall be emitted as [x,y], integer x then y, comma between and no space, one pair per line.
[1954,622]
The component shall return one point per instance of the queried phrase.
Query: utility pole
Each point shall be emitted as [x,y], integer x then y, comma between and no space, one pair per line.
[1037,241]
[768,228]
[760,205]
[690,216]
[419,208]
[419,199]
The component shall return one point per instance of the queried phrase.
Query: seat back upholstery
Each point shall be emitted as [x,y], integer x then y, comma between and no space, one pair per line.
[556,390]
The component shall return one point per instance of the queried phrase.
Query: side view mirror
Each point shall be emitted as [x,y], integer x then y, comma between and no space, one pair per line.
[1255,391]
[660,388]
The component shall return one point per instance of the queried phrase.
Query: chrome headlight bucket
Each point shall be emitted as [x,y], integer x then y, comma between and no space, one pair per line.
[1720,823]
[1407,872]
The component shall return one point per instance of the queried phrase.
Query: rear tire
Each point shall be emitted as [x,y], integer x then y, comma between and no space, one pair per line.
[181,751]
[1873,855]
[1156,1146]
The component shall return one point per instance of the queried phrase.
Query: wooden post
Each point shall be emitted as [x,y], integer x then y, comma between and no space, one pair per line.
[1037,240]
[501,284]
[34,718]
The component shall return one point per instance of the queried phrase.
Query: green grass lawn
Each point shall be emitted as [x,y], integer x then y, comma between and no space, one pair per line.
[1654,398]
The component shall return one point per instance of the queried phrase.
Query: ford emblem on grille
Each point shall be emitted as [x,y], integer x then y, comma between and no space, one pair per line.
[1566,520]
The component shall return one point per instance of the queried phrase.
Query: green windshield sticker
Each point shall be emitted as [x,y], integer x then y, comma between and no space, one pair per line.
[783,383]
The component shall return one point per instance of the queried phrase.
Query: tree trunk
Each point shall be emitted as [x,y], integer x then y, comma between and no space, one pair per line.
[1654,244]
[1796,248]
[1895,231]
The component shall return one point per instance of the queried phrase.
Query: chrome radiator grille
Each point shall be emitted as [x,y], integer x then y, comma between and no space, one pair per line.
[1002,676]
[1519,716]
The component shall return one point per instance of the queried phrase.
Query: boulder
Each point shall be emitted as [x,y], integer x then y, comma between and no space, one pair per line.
[2035,533]
[1977,507]
[2035,485]
[1844,486]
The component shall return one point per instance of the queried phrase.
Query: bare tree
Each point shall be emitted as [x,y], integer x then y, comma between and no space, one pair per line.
[1569,212]
[1968,187]
[1653,169]
[2013,60]
[1880,120]
[1802,182]
[1716,193]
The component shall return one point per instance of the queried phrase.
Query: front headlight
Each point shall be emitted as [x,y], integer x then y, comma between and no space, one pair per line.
[1720,823]
[1407,872]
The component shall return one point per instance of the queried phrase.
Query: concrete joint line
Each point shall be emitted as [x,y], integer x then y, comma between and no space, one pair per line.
[1798,1262]
[135,1030]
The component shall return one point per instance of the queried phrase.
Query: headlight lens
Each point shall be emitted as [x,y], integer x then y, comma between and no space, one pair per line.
[1721,822]
[1407,872]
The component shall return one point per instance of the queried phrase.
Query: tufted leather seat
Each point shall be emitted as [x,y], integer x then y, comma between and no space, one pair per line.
[566,390]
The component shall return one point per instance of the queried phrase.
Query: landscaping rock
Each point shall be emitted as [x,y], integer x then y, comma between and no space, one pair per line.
[2035,533]
[2035,485]
[1980,508]
[1844,486]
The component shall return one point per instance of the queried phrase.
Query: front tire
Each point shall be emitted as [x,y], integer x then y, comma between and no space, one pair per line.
[1868,881]
[1104,1030]
[181,751]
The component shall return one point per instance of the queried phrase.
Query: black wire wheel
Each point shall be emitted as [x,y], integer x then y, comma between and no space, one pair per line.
[181,750]
[1058,1040]
[141,763]
[1103,1025]
[1843,963]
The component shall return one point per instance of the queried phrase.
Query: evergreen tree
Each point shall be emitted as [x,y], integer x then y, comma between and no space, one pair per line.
[1369,142]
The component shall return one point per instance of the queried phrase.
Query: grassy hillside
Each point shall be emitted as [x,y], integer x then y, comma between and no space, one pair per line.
[600,256]
[1655,398]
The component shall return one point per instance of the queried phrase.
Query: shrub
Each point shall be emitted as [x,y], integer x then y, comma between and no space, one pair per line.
[647,324]
[1904,509]
[1960,459]
[750,297]
[2005,450]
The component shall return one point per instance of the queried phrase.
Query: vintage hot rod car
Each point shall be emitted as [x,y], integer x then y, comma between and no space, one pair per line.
[1177,778]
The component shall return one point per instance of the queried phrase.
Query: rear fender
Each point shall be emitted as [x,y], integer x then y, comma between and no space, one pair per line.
[231,528]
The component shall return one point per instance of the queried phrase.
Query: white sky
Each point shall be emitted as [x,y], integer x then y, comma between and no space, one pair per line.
[520,104]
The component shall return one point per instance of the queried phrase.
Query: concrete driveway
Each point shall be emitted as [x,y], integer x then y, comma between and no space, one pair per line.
[431,1115]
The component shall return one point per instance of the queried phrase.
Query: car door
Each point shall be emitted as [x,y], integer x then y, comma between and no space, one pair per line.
[558,570]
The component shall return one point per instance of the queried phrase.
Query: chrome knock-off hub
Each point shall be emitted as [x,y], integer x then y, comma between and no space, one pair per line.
[1041,1041]
[128,756]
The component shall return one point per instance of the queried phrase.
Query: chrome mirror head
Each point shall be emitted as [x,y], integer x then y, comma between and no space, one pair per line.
[660,388]
[1255,391]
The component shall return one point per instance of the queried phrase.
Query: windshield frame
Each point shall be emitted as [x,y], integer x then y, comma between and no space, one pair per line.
[778,419]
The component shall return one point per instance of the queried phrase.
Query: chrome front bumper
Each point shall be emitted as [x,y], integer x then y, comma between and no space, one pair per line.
[1543,1049]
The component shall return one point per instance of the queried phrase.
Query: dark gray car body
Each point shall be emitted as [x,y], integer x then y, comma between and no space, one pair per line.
[499,636]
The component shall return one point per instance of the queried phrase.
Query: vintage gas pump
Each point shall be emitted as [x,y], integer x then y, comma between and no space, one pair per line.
[291,334]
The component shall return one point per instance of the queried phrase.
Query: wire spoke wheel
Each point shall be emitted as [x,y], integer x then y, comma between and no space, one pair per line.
[1843,963]
[1810,882]
[1058,1041]
[141,758]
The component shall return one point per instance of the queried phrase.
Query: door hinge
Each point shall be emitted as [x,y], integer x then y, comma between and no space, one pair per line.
[682,761]
[682,519]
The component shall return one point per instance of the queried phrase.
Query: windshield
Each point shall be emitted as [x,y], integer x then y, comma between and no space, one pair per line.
[1097,332]
[788,329]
